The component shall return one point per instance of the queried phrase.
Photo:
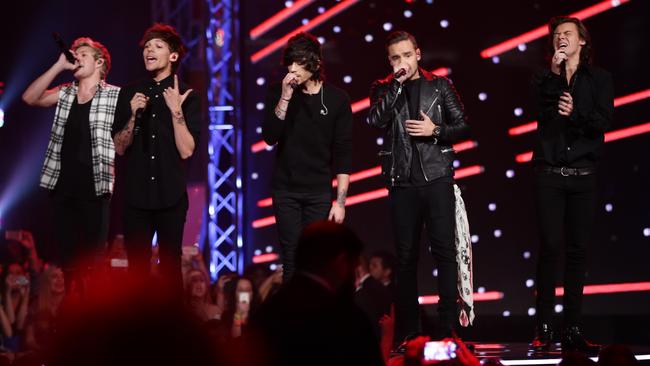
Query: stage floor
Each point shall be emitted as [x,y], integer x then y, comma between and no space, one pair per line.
[519,354]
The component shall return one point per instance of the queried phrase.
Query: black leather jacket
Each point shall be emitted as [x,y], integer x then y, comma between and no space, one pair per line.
[389,111]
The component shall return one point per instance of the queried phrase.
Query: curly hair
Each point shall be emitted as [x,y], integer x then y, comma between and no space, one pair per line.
[305,50]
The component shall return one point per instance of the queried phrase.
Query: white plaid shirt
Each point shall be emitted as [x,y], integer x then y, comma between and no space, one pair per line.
[102,113]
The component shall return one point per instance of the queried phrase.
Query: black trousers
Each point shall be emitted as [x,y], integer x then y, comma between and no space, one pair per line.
[434,207]
[81,230]
[139,228]
[565,213]
[293,212]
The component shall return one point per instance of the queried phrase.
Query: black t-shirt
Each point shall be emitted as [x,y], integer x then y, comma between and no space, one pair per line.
[155,172]
[76,179]
[314,140]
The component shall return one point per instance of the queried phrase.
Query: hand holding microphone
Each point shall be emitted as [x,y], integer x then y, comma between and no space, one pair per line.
[558,64]
[399,73]
[66,59]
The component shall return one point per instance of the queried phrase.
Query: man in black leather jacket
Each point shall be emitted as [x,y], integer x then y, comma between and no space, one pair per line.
[422,116]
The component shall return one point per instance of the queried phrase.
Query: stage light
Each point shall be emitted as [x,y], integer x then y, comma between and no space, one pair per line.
[288,4]
[526,255]
[388,26]
[321,10]
[609,207]
[269,249]
[506,313]
[531,311]
[435,272]
[530,283]
[496,60]
[260,81]
[258,130]
[510,173]
[273,267]
[492,207]
[304,21]
[380,141]
[518,112]
[474,239]
[646,232]
[444,23]
[368,38]
[522,47]
[408,13]
[2,117]
[497,233]
[482,96]
[259,106]
[456,163]
[257,252]
[269,148]
[336,29]
[481,290]
[347,79]
[290,9]
[559,308]
[254,176]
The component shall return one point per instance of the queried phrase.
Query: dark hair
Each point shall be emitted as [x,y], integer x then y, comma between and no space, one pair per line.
[322,242]
[388,260]
[305,50]
[170,36]
[399,36]
[585,51]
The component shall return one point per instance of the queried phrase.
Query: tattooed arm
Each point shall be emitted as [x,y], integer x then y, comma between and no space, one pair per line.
[337,212]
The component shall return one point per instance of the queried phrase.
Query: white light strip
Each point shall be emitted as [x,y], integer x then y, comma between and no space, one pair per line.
[555,361]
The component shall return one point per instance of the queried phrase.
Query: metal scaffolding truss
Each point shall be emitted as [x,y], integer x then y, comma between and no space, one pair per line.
[186,17]
[224,146]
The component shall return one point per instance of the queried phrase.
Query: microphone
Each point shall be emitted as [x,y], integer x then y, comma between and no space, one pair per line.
[64,49]
[399,73]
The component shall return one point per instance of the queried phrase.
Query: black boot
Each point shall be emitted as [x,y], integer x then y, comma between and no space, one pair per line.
[573,340]
[543,338]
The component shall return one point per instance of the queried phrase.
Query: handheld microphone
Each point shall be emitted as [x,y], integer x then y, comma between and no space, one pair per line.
[64,49]
[399,73]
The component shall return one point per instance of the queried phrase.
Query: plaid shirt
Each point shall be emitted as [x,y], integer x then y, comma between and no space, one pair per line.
[102,113]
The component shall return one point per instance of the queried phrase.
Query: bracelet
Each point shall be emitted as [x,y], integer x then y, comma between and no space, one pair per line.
[286,100]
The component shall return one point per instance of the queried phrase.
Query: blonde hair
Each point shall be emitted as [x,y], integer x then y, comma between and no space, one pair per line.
[99,52]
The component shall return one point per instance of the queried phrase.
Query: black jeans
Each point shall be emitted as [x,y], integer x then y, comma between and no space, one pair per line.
[565,213]
[293,212]
[434,206]
[81,230]
[139,228]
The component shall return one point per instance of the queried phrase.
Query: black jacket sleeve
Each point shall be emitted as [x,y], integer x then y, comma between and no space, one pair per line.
[456,127]
[383,96]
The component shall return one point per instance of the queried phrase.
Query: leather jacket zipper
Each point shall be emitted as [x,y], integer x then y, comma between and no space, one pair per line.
[392,147]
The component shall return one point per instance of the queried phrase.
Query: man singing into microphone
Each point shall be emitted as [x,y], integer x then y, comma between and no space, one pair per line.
[79,162]
[157,125]
[422,116]
[576,103]
[311,121]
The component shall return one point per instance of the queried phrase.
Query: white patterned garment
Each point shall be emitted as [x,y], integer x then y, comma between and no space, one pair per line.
[464,258]
[102,112]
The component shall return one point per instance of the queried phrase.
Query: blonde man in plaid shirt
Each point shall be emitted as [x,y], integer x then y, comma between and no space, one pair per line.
[79,161]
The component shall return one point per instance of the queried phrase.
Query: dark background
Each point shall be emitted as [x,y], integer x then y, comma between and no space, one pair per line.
[619,249]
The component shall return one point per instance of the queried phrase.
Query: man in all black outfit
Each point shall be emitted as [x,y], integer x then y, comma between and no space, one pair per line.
[156,128]
[576,103]
[311,121]
[422,116]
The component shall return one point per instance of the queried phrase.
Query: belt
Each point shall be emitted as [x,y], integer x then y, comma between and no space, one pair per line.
[564,171]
